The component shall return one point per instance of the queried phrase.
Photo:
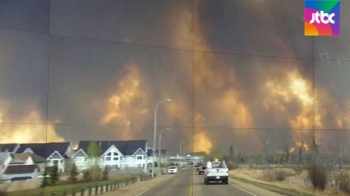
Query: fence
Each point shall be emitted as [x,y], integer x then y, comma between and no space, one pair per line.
[93,189]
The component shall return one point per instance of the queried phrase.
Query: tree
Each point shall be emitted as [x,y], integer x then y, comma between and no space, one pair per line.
[87,175]
[45,181]
[73,174]
[105,174]
[318,175]
[301,146]
[94,152]
[54,174]
[287,154]
[232,155]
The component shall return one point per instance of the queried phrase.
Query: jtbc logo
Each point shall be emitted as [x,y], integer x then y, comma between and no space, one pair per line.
[324,17]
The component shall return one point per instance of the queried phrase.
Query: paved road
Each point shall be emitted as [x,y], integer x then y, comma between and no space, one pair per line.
[189,183]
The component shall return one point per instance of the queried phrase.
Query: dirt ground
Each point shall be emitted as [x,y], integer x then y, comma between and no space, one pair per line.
[294,180]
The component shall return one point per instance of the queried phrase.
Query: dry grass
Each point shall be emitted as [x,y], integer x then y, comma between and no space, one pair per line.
[297,180]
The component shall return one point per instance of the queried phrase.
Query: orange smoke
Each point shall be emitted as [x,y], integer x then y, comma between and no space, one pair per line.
[299,146]
[29,131]
[201,139]
[237,110]
[129,104]
[181,17]
[219,80]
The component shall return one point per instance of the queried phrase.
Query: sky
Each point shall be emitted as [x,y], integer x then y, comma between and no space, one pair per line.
[239,73]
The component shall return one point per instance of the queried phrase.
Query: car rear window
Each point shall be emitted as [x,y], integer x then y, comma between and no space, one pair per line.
[172,167]
[218,165]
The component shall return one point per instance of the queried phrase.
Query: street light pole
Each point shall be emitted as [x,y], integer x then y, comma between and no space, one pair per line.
[159,144]
[155,132]
[181,149]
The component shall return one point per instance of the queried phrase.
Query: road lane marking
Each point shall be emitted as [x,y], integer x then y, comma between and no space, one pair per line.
[142,192]
[243,189]
[190,190]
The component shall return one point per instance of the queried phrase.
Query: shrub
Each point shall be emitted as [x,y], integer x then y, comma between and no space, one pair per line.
[343,181]
[272,175]
[318,176]
[298,170]
[231,165]
[280,175]
[269,174]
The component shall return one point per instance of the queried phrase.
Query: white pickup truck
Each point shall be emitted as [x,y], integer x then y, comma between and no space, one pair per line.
[216,172]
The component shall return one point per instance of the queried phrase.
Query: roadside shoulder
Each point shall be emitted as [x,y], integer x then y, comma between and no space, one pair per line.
[264,188]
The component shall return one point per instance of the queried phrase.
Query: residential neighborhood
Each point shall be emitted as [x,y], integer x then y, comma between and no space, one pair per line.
[29,160]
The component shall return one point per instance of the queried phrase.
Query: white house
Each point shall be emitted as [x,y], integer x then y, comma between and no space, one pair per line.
[114,154]
[163,159]
[56,159]
[54,153]
[80,159]
[112,158]
[21,172]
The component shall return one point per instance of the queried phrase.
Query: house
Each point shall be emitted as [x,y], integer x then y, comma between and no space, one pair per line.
[80,159]
[163,156]
[28,159]
[11,165]
[114,154]
[54,153]
[39,161]
[21,172]
[5,159]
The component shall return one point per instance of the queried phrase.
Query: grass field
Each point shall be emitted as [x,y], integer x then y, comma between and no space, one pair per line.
[68,188]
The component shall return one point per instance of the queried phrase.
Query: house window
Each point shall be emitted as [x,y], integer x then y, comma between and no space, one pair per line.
[108,156]
[55,162]
[139,157]
[116,158]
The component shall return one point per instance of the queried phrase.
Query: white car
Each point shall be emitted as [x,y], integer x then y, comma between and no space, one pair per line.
[172,170]
[216,171]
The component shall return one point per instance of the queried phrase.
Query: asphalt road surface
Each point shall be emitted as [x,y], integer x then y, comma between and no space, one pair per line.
[188,183]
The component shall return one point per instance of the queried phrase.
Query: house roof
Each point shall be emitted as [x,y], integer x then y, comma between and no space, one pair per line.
[150,152]
[21,156]
[16,161]
[20,169]
[45,149]
[37,158]
[125,147]
[10,147]
[79,151]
